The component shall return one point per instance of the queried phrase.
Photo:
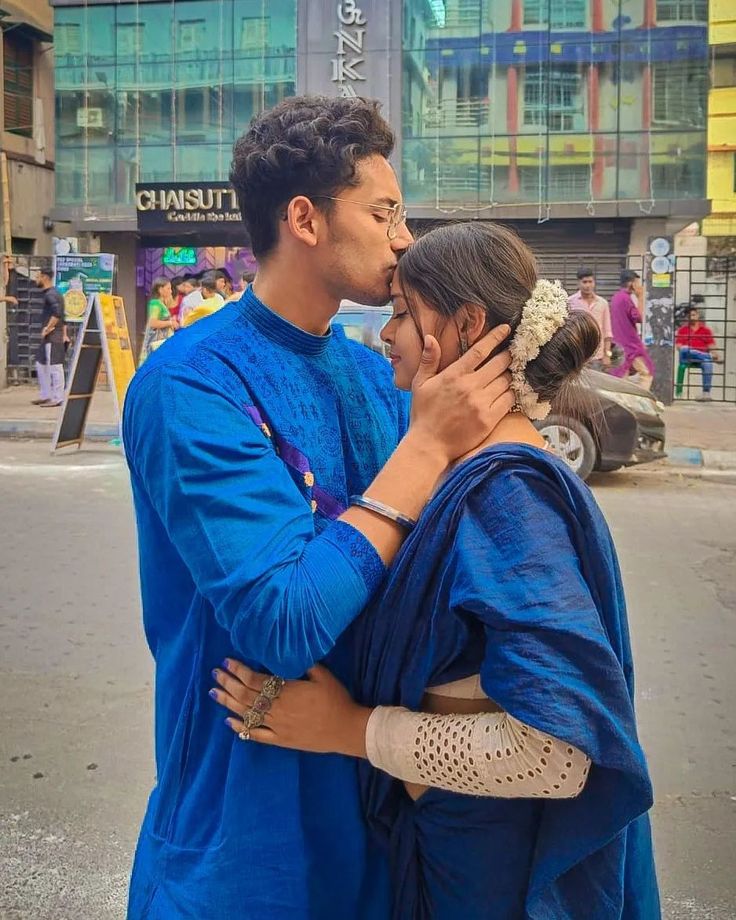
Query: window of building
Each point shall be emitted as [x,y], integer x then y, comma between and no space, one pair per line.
[129,38]
[723,66]
[678,94]
[563,183]
[462,97]
[682,11]
[569,183]
[456,13]
[554,98]
[561,14]
[68,38]
[191,33]
[254,33]
[18,75]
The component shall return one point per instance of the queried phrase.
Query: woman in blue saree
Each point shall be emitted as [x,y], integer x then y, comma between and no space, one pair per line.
[493,700]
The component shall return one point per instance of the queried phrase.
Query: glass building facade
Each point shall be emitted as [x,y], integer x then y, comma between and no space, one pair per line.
[504,103]
[158,92]
[524,102]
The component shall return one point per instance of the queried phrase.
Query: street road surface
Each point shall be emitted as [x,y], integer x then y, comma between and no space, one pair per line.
[75,681]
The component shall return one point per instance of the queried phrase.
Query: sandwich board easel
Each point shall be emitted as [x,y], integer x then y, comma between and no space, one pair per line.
[103,336]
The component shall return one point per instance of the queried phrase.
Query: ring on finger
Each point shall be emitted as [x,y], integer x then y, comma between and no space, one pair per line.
[272,686]
[244,735]
[252,719]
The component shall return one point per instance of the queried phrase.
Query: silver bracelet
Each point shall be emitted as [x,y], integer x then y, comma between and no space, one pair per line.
[362,501]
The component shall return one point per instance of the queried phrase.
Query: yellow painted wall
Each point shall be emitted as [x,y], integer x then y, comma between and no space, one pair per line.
[722,132]
[722,22]
[722,119]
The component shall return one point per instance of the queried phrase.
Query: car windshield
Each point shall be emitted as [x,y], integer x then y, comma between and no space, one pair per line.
[364,326]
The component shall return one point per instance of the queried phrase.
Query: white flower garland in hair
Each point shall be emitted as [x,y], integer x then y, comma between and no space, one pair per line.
[544,313]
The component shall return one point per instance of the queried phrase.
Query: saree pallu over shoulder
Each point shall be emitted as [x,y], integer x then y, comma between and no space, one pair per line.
[511,572]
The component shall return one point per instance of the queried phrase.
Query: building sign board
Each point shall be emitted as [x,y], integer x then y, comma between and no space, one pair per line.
[345,48]
[185,207]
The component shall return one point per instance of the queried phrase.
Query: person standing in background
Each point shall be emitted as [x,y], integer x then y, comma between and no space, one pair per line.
[9,275]
[161,324]
[625,317]
[50,355]
[211,300]
[245,279]
[224,281]
[597,307]
[193,299]
[180,287]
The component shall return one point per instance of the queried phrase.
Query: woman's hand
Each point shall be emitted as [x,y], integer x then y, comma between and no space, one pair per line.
[316,714]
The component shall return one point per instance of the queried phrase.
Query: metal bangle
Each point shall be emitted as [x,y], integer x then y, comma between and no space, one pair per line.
[362,501]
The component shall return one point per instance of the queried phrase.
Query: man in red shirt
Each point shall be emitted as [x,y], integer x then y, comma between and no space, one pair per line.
[697,346]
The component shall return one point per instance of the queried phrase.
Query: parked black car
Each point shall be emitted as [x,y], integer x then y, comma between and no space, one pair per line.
[620,424]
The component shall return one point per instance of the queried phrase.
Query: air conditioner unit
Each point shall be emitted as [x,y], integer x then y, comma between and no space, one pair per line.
[89,118]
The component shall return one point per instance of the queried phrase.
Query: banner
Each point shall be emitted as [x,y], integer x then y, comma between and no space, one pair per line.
[77,276]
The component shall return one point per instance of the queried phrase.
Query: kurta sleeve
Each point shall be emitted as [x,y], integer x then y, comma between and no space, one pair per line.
[242,526]
[634,312]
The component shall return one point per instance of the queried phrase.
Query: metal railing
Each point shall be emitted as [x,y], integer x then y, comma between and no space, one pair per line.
[706,283]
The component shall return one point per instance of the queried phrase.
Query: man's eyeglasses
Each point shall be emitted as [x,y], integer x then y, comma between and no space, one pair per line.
[397,212]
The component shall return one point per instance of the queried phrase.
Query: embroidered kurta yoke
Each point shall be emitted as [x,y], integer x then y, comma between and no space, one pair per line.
[245,436]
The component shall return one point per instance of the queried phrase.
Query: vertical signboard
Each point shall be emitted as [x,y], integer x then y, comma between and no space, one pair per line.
[659,317]
[351,48]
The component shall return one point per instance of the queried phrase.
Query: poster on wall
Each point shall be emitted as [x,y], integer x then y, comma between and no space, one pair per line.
[76,276]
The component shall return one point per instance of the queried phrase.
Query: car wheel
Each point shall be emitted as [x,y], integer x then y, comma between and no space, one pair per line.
[572,442]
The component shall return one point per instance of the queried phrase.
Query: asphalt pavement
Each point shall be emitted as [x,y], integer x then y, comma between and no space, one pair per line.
[75,680]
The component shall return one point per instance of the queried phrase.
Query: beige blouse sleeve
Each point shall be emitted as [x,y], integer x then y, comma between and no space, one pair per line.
[487,754]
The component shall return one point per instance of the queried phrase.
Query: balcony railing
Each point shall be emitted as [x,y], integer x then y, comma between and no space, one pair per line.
[466,113]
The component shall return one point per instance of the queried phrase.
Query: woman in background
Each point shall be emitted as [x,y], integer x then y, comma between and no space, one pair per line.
[161,324]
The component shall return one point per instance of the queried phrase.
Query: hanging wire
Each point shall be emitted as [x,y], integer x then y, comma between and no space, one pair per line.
[220,91]
[646,206]
[592,67]
[438,120]
[85,129]
[137,38]
[492,113]
[544,85]
[173,128]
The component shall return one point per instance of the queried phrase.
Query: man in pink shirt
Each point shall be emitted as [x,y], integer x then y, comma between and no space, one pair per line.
[587,300]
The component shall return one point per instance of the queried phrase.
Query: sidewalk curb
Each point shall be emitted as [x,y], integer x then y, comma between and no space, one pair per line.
[689,461]
[42,429]
[695,458]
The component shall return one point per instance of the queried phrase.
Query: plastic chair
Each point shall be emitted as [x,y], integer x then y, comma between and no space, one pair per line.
[682,368]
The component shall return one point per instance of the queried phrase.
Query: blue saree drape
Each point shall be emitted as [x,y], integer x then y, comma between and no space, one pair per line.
[511,572]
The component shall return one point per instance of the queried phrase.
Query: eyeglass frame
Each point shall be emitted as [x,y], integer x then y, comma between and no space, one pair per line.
[398,211]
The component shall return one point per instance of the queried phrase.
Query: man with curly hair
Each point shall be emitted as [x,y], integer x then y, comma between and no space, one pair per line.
[247,437]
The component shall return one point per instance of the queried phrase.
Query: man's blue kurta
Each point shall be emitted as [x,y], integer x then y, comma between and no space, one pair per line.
[243,434]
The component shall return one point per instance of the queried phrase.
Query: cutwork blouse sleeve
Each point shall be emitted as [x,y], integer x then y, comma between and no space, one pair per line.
[487,754]
[241,524]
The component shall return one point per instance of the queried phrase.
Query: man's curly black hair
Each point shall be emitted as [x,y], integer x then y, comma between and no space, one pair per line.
[306,145]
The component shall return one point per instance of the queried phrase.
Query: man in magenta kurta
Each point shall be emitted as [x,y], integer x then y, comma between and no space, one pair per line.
[625,316]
